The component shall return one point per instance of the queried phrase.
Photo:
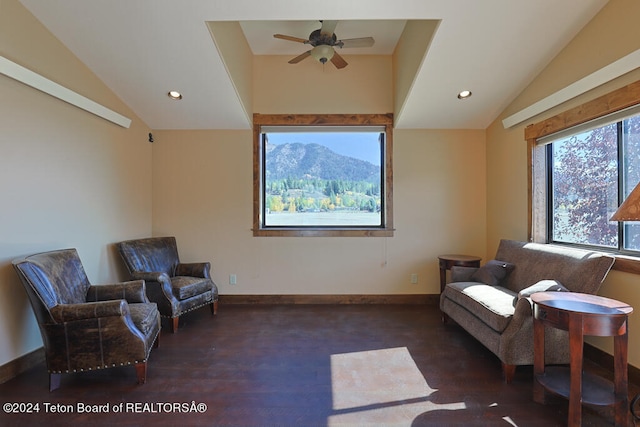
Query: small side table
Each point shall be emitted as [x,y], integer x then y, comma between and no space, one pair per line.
[581,314]
[448,261]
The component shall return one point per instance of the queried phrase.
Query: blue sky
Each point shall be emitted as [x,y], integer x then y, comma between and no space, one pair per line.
[361,145]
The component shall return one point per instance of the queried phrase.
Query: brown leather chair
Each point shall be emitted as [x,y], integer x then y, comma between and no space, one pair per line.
[86,327]
[176,287]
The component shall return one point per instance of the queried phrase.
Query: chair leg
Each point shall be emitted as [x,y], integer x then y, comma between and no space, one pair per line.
[214,308]
[509,372]
[174,324]
[141,372]
[54,381]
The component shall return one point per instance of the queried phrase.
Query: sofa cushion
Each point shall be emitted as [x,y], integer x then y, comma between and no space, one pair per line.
[493,272]
[185,287]
[493,305]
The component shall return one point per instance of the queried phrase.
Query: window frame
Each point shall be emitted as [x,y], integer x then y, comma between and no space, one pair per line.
[619,197]
[319,120]
[613,102]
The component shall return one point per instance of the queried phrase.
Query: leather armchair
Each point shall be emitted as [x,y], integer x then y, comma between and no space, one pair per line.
[86,327]
[176,287]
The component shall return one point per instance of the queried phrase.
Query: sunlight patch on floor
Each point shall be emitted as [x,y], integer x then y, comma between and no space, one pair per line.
[400,415]
[375,377]
[380,387]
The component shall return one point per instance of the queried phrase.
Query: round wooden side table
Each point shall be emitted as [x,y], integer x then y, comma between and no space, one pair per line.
[448,261]
[581,314]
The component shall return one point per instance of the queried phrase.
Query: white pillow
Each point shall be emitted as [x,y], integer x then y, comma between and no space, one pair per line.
[541,286]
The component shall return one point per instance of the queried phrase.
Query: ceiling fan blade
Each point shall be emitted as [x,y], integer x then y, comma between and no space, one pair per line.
[338,61]
[328,27]
[300,57]
[360,42]
[290,38]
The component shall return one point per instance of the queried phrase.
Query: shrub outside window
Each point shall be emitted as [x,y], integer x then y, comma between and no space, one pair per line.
[590,173]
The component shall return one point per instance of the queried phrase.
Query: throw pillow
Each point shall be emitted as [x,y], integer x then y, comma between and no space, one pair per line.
[493,272]
[541,286]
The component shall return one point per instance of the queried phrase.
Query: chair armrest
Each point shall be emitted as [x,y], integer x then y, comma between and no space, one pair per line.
[462,274]
[523,311]
[156,283]
[150,276]
[91,310]
[133,292]
[194,269]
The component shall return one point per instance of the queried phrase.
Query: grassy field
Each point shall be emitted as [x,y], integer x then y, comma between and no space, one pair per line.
[334,218]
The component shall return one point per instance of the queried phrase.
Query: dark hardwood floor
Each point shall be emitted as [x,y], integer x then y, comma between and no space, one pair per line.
[300,365]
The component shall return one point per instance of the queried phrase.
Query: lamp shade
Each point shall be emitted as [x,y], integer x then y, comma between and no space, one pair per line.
[629,210]
[322,53]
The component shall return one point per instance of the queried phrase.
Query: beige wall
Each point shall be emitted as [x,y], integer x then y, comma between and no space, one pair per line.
[203,195]
[612,34]
[363,87]
[67,177]
[237,58]
[203,192]
[410,52]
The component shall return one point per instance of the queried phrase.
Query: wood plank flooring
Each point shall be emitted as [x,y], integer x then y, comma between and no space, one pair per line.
[300,365]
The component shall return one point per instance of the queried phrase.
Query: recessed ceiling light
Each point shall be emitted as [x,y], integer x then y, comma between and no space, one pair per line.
[174,94]
[464,94]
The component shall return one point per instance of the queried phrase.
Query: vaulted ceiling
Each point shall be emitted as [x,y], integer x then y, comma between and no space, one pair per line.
[143,48]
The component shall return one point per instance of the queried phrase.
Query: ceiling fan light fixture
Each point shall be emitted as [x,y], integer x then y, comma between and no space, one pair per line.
[322,53]
[174,94]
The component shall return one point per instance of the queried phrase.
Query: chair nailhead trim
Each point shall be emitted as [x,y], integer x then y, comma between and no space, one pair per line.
[191,309]
[68,371]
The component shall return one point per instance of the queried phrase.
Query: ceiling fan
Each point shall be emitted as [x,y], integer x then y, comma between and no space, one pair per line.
[324,42]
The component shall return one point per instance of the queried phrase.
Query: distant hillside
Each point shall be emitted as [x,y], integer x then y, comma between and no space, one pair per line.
[297,160]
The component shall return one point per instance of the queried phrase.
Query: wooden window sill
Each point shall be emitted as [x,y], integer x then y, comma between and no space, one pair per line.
[626,263]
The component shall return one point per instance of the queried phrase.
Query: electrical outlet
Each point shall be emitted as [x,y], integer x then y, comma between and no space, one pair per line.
[232,279]
[414,278]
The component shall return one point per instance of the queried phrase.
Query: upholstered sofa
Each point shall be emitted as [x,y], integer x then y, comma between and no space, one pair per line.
[493,302]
